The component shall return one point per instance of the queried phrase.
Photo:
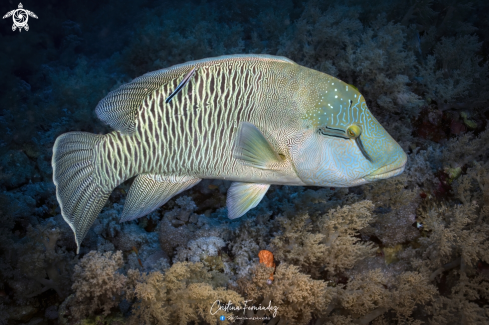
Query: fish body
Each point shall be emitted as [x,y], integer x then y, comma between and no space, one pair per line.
[255,120]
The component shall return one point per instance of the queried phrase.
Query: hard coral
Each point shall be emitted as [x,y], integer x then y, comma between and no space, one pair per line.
[173,232]
[197,250]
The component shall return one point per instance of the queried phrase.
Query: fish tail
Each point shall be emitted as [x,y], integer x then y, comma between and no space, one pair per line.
[80,193]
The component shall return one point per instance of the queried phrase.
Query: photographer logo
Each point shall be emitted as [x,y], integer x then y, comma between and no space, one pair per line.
[20,17]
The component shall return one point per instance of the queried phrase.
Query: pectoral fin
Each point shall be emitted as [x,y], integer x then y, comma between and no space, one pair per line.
[149,192]
[254,149]
[243,197]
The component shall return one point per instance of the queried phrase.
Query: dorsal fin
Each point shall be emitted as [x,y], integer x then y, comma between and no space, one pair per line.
[120,107]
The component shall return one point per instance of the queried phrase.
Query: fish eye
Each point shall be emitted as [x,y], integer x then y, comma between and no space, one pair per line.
[353,131]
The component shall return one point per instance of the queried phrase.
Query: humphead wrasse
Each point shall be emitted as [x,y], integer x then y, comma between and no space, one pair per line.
[255,120]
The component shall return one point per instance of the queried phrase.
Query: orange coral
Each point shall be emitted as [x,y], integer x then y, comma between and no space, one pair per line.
[266,257]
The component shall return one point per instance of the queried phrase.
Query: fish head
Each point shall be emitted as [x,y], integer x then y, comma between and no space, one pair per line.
[340,142]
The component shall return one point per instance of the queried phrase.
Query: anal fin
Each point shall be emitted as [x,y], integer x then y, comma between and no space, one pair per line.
[149,192]
[243,197]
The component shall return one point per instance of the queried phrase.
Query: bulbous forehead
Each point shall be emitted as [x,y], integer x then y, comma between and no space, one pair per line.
[334,103]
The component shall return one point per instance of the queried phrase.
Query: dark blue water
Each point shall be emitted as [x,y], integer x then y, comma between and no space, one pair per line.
[422,68]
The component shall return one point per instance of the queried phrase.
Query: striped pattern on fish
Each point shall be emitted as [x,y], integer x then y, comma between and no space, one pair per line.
[252,119]
[168,136]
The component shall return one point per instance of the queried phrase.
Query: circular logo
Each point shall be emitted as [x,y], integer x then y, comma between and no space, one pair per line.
[20,17]
[222,318]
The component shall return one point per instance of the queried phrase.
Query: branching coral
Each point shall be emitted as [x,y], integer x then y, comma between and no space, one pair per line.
[184,294]
[64,95]
[247,240]
[421,167]
[6,244]
[339,29]
[396,210]
[461,303]
[97,285]
[181,225]
[340,226]
[466,148]
[419,9]
[173,232]
[298,298]
[479,174]
[371,294]
[297,245]
[455,232]
[326,244]
[17,169]
[73,90]
[455,245]
[454,80]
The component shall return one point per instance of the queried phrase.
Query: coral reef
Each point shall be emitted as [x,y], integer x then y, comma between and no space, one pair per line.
[453,80]
[296,297]
[41,260]
[374,293]
[408,250]
[97,285]
[332,247]
[184,294]
[199,249]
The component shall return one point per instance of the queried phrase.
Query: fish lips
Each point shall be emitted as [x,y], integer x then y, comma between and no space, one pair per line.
[385,172]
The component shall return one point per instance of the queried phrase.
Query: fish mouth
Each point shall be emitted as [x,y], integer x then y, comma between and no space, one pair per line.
[385,172]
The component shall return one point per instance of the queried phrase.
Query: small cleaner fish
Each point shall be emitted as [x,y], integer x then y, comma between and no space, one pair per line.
[255,120]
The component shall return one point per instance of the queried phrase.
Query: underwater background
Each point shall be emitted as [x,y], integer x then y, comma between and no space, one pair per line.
[413,249]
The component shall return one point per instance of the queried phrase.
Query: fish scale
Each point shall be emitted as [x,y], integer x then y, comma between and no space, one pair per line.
[253,119]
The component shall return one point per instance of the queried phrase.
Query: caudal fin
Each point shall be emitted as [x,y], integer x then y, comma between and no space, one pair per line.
[80,196]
